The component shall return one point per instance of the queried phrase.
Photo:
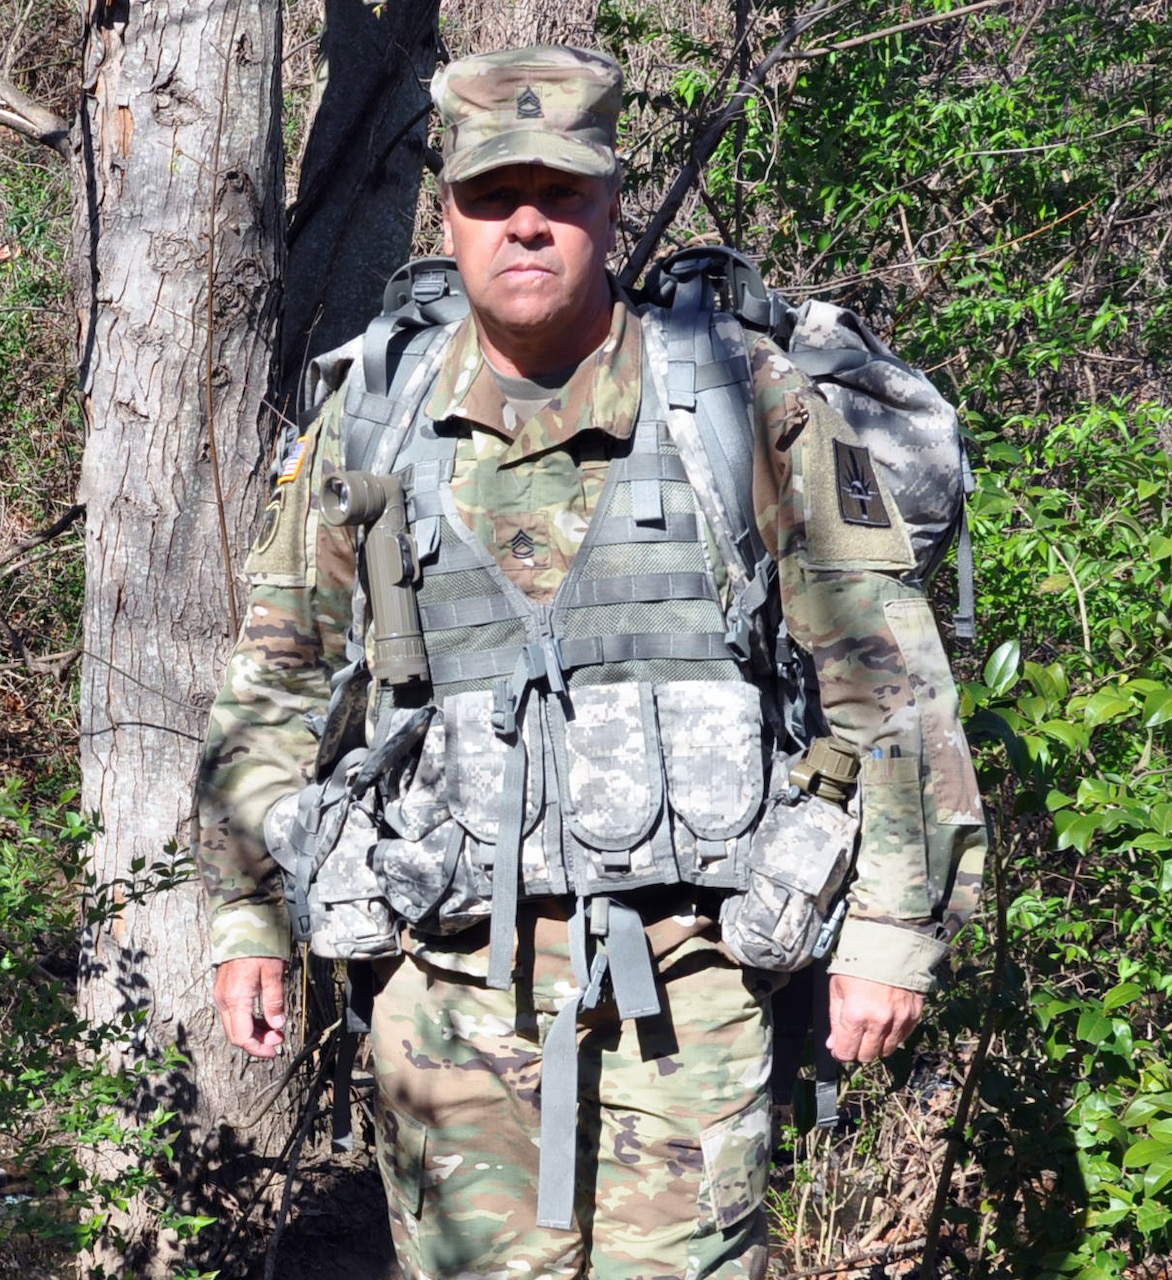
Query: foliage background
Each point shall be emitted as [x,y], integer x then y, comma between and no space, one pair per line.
[994,192]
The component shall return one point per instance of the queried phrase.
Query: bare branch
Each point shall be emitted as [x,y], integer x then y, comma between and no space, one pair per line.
[710,137]
[57,528]
[21,114]
[930,20]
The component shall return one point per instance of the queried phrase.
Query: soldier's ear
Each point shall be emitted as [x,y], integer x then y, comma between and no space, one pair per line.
[613,223]
[449,247]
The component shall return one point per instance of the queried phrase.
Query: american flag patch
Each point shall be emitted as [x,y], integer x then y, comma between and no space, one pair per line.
[292,464]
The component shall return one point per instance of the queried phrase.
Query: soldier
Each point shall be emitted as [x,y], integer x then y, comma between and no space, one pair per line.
[595,764]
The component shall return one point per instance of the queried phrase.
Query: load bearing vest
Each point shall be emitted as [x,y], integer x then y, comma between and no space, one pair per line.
[605,742]
[615,739]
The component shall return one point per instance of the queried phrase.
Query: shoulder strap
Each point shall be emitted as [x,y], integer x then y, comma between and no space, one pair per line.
[910,422]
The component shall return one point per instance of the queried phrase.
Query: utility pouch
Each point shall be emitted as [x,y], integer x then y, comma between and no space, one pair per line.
[325,839]
[799,860]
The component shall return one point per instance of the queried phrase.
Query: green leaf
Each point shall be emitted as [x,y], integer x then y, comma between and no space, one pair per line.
[1001,669]
[1157,1176]
[1056,800]
[1071,737]
[1142,1153]
[1149,1218]
[1166,876]
[1093,1027]
[1157,708]
[1122,994]
[1076,831]
[1161,818]
[1105,706]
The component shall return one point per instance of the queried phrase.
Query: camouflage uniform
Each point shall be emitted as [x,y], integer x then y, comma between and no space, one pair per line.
[673,1110]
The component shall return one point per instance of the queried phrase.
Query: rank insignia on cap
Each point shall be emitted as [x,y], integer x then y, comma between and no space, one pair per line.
[291,467]
[529,104]
[859,500]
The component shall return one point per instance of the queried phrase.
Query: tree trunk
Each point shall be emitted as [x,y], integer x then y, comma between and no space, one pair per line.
[353,219]
[178,252]
[506,24]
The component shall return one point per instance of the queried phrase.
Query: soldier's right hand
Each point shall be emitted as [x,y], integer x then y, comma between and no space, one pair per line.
[250,995]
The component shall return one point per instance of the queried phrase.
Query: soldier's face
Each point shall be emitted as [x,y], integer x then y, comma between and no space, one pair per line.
[531,243]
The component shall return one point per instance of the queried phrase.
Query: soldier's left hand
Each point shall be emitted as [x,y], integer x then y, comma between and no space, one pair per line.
[869,1020]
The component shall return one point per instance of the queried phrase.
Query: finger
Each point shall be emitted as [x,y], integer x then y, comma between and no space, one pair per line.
[272,994]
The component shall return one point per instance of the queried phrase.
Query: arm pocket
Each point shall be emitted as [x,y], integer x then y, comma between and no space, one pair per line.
[951,786]
[893,831]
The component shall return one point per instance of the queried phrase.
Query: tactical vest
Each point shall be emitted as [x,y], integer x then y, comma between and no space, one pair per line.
[606,742]
[618,738]
[625,736]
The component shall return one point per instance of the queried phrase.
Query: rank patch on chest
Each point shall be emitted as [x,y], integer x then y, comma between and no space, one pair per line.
[522,545]
[859,500]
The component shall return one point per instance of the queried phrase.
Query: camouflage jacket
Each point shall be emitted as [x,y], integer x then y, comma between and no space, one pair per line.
[848,594]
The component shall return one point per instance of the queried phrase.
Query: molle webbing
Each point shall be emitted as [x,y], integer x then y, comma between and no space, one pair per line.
[640,590]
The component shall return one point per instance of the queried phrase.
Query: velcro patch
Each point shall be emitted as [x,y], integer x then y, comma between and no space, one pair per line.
[859,500]
[268,526]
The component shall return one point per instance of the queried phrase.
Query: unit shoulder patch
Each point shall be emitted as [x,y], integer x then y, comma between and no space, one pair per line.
[268,525]
[859,498]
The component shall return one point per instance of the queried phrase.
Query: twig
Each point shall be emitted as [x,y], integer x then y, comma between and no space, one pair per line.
[57,528]
[246,1211]
[882,1252]
[274,1091]
[968,1092]
[931,19]
[307,1119]
[709,140]
[28,118]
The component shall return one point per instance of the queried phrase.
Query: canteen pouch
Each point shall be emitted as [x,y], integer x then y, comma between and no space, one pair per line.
[799,859]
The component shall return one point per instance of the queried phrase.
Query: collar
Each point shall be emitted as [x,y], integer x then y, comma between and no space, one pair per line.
[603,392]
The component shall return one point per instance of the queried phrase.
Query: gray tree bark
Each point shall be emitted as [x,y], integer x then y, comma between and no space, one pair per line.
[178,252]
[352,222]
[507,24]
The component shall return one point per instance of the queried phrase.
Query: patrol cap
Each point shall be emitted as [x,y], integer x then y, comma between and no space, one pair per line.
[548,104]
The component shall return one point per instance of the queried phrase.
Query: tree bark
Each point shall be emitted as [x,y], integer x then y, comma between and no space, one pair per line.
[352,222]
[513,24]
[178,253]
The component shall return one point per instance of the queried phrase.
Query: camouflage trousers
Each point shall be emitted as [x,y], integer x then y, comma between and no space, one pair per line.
[673,1121]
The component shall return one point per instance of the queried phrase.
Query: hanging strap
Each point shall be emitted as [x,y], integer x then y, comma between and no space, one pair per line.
[965,618]
[825,1064]
[710,421]
[627,958]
